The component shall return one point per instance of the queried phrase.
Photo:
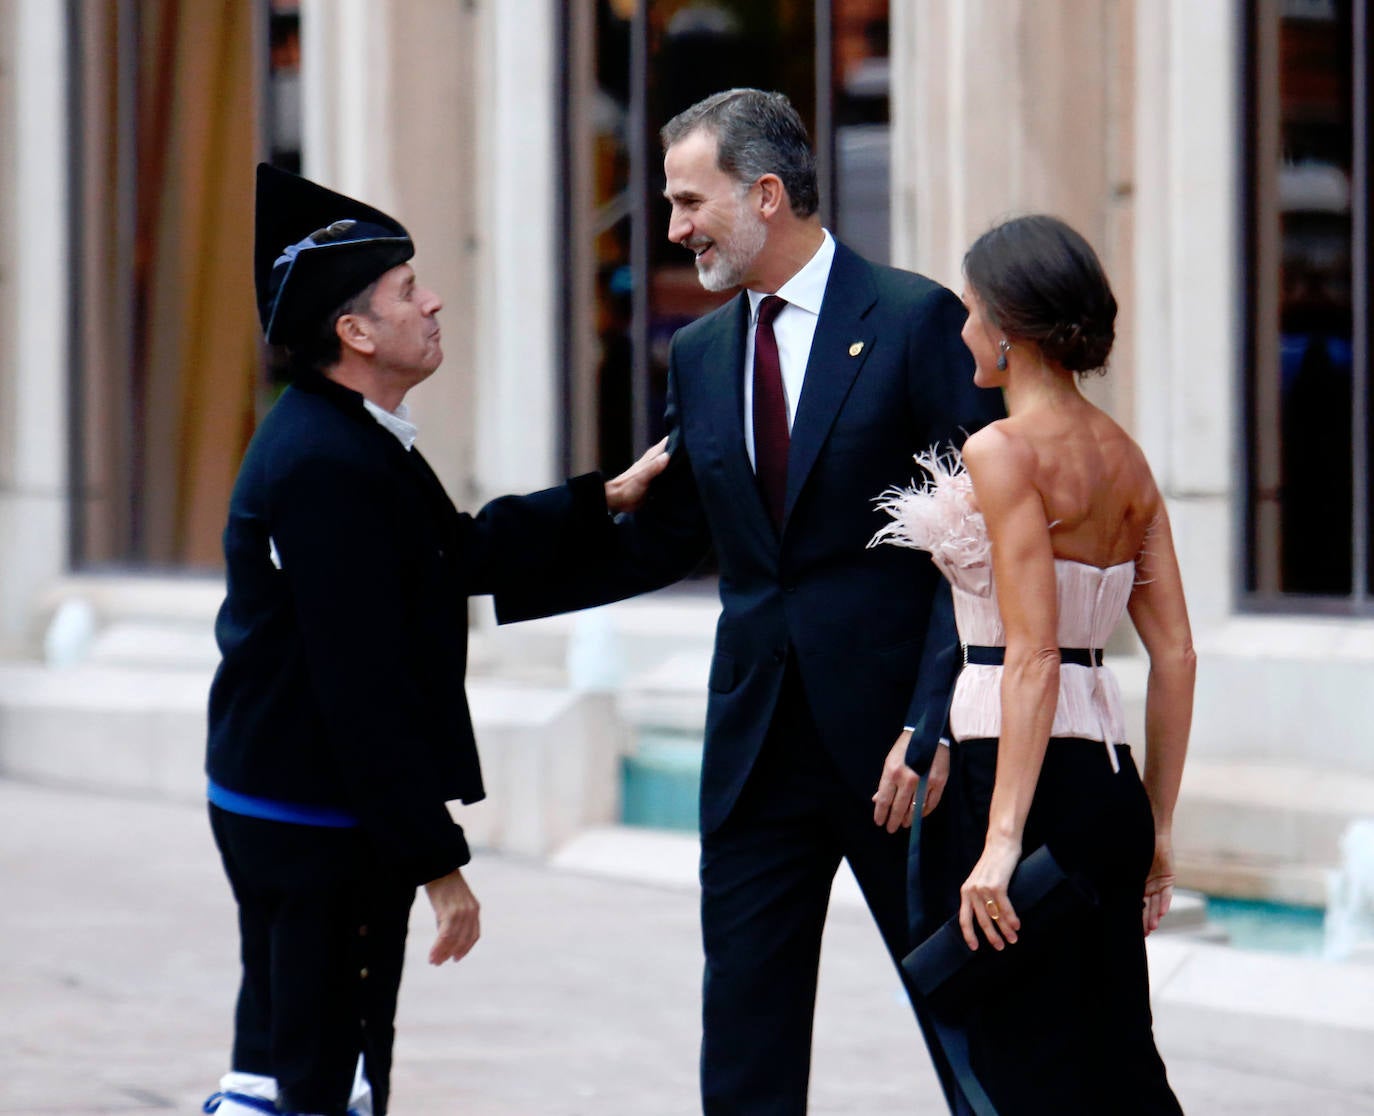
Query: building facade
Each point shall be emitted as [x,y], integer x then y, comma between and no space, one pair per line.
[1216,152]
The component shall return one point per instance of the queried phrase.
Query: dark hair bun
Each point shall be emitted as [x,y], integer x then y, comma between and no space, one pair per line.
[1079,348]
[1040,281]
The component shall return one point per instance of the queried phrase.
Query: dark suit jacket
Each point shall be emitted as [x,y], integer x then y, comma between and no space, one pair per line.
[872,631]
[341,683]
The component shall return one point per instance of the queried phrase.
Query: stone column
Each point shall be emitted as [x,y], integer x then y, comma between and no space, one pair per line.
[34,282]
[390,104]
[1188,282]
[1003,107]
[443,114]
[519,394]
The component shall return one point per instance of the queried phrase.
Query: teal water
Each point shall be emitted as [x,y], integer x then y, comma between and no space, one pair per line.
[659,782]
[1269,927]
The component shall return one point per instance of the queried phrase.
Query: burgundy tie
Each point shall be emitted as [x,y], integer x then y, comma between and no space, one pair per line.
[770,411]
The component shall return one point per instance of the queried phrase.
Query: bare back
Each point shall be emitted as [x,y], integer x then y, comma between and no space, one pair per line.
[1096,487]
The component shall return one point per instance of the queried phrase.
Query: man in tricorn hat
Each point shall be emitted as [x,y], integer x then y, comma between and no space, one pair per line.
[338,726]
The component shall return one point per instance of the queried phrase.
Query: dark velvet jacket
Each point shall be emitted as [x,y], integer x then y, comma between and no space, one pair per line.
[872,630]
[341,682]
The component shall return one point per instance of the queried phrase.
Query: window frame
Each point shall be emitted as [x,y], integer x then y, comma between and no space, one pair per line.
[1258,263]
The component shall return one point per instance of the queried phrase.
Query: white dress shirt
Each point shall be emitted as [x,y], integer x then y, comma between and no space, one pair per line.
[397,421]
[794,328]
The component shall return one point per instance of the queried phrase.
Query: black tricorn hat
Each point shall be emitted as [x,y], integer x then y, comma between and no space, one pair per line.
[313,250]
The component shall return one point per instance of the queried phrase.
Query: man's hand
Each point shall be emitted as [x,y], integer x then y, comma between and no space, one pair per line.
[895,801]
[455,917]
[626,492]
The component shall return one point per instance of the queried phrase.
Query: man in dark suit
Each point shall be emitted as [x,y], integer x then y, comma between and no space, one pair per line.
[789,410]
[338,725]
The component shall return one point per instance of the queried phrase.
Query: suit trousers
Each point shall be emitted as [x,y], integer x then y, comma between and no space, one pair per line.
[766,875]
[322,931]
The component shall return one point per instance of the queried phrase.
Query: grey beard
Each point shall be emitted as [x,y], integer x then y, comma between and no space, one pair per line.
[735,256]
[718,278]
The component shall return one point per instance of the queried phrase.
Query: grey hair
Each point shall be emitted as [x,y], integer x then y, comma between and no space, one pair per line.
[756,133]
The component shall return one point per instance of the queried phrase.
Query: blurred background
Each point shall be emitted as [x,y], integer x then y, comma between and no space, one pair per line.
[1216,152]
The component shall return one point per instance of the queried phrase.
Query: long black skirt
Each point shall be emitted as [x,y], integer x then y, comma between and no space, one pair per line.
[1066,1028]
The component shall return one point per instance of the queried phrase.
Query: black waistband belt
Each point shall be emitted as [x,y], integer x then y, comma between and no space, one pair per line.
[975,655]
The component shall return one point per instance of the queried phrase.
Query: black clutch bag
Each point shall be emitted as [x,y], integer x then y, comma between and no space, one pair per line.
[946,972]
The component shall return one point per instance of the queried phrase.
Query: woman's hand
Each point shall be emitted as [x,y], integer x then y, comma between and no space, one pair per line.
[1159,884]
[983,898]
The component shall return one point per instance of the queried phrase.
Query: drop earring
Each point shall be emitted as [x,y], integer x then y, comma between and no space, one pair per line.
[1003,348]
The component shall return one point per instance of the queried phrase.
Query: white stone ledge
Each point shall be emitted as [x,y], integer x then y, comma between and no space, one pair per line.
[1323,639]
[193,599]
[26,685]
[550,757]
[1255,1010]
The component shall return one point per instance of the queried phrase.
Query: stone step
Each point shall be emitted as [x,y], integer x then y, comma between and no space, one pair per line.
[1257,828]
[1250,829]
[1249,1011]
[154,623]
[550,756]
[669,859]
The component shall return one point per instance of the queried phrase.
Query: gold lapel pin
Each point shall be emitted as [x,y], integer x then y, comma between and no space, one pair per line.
[856,348]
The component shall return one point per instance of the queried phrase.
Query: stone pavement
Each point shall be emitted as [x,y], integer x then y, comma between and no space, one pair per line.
[117,974]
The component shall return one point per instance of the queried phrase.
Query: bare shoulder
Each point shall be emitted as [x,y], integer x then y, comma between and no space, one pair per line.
[1002,463]
[999,449]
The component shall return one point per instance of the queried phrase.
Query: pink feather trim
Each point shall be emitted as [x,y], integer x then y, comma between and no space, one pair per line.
[937,516]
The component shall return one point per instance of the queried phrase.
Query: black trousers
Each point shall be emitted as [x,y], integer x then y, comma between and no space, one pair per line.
[1067,1030]
[322,931]
[766,875]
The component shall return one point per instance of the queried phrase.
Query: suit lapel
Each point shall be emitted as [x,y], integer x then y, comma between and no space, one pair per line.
[841,344]
[722,363]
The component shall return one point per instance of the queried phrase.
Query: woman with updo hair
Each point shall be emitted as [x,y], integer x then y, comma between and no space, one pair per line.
[1049,527]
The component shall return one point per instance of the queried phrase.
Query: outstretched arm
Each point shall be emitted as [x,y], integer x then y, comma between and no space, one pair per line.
[662,540]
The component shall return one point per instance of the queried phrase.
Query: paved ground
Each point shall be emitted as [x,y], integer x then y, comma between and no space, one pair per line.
[117,973]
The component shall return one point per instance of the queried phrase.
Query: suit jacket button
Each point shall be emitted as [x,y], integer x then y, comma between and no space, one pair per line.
[779,655]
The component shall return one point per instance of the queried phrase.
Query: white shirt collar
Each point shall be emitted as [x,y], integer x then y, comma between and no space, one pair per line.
[806,289]
[397,422]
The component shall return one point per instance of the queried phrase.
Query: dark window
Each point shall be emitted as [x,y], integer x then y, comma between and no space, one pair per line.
[1308,521]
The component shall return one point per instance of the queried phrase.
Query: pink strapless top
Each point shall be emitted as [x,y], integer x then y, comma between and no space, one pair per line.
[939,518]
